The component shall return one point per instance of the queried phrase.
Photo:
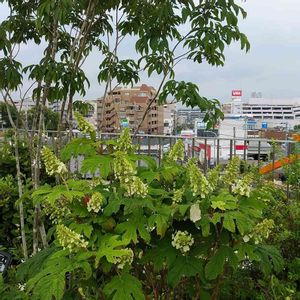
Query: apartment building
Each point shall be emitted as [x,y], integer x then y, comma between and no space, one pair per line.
[125,107]
[169,118]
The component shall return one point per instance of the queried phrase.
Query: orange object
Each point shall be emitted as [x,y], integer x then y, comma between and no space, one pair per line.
[278,164]
[281,162]
[296,137]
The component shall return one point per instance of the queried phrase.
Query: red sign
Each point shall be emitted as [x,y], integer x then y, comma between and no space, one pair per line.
[241,147]
[237,93]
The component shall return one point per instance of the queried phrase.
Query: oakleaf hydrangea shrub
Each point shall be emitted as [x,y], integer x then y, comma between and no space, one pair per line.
[167,231]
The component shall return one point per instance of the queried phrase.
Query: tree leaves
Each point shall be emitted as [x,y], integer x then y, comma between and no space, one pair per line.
[124,286]
[216,263]
[97,162]
[50,281]
[77,147]
[134,227]
[187,266]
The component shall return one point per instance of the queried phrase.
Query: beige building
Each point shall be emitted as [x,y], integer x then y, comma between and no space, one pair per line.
[125,107]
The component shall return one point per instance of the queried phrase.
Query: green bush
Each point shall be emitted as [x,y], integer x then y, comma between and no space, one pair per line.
[146,232]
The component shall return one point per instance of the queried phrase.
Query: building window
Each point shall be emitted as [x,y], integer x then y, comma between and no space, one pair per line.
[142,94]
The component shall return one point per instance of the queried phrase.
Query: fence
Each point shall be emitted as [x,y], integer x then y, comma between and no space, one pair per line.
[210,151]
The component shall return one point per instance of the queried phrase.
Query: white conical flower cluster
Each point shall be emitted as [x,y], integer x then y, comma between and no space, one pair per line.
[84,126]
[52,164]
[262,230]
[198,182]
[183,241]
[69,239]
[124,142]
[124,170]
[136,187]
[177,151]
[95,203]
[57,212]
[213,177]
[178,194]
[126,258]
[232,171]
[243,186]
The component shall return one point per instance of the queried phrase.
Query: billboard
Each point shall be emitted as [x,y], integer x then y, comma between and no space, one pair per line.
[237,93]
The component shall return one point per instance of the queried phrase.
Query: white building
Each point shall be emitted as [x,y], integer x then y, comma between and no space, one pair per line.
[169,118]
[268,112]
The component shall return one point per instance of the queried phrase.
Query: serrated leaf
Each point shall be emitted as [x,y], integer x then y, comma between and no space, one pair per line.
[161,219]
[133,228]
[150,161]
[187,266]
[270,258]
[124,286]
[246,251]
[162,253]
[228,222]
[86,229]
[97,162]
[149,176]
[77,147]
[216,263]
[111,247]
[205,226]
[50,281]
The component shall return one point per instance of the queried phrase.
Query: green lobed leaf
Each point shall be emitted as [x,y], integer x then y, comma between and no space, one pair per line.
[186,266]
[124,286]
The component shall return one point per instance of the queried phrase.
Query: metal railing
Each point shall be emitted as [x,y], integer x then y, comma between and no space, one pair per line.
[210,151]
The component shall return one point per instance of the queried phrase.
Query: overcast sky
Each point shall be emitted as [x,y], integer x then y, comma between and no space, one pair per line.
[272,66]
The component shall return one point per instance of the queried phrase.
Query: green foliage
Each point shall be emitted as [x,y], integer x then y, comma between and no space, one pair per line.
[124,286]
[198,238]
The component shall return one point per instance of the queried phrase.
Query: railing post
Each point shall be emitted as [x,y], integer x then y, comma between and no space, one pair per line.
[218,151]
[205,155]
[149,145]
[193,147]
[259,150]
[230,153]
[244,154]
[139,149]
[273,161]
[159,151]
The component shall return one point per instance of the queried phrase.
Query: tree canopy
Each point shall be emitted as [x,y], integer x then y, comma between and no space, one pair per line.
[165,33]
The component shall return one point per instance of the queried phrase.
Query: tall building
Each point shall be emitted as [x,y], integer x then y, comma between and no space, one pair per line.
[267,112]
[125,107]
[169,118]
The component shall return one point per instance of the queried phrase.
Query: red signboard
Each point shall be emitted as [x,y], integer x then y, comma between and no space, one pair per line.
[237,93]
[241,147]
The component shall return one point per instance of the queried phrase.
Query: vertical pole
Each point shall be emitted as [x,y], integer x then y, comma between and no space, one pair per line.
[193,147]
[245,145]
[205,155]
[218,151]
[230,154]
[259,150]
[234,142]
[149,146]
[273,161]
[159,151]
[139,149]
